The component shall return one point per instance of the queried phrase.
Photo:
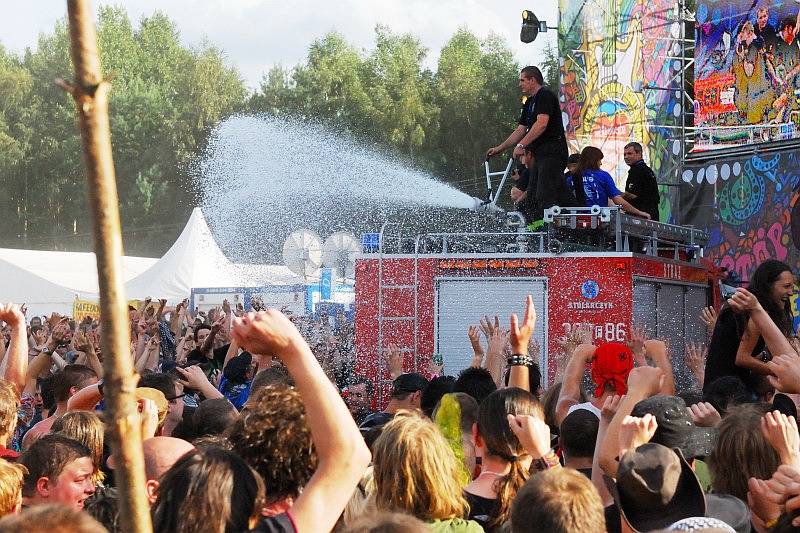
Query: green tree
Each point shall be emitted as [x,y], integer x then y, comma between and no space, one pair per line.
[401,91]
[165,100]
[329,86]
[478,97]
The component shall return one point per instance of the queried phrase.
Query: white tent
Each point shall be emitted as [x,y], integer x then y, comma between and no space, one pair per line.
[48,281]
[195,260]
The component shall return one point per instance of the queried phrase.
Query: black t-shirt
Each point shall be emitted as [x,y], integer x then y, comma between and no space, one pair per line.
[544,102]
[275,524]
[196,356]
[642,182]
[480,508]
[721,360]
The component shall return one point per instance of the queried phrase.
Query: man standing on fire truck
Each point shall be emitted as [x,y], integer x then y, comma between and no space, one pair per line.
[540,127]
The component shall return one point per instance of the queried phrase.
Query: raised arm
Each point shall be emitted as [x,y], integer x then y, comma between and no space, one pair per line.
[519,337]
[15,363]
[58,334]
[643,382]
[477,348]
[343,455]
[744,301]
[571,386]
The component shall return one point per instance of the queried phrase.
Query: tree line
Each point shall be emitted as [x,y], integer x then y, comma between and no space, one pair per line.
[167,98]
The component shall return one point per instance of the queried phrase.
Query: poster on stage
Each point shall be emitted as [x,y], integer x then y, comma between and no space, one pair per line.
[747,73]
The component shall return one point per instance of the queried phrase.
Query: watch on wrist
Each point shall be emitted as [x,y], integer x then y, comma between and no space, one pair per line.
[100,386]
[520,145]
[46,350]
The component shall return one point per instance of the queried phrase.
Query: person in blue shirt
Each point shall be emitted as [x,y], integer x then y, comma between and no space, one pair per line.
[593,186]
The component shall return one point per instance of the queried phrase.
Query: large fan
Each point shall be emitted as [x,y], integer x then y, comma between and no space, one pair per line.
[339,252]
[302,253]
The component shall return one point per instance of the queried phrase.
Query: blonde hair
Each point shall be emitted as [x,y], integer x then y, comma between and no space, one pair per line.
[416,471]
[86,428]
[9,404]
[11,478]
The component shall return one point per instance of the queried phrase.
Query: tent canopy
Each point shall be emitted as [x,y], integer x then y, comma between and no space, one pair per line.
[195,260]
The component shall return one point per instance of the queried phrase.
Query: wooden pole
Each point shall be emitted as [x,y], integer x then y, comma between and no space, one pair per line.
[90,92]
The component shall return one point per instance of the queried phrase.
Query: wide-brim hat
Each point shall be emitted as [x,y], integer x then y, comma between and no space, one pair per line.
[655,487]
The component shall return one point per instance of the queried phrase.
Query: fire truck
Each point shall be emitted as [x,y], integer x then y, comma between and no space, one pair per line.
[422,292]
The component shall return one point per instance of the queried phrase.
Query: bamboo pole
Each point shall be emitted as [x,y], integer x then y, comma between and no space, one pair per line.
[90,92]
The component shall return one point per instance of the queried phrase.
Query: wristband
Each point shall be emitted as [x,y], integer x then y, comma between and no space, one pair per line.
[518,359]
[549,461]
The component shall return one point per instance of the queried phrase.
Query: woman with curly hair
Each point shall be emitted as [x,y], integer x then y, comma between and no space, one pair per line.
[416,472]
[275,439]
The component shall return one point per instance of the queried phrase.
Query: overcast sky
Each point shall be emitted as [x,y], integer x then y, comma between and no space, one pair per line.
[256,34]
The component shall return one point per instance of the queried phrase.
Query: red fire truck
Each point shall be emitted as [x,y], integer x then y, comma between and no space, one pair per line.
[422,292]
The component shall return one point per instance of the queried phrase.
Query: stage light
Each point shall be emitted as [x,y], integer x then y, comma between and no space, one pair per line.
[530,27]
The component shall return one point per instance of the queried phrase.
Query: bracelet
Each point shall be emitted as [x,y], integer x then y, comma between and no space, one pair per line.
[547,462]
[100,386]
[769,524]
[518,359]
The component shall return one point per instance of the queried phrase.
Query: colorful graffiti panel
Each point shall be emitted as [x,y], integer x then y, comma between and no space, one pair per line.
[620,82]
[747,72]
[747,204]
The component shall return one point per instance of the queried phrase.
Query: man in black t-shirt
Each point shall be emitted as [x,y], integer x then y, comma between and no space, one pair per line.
[641,188]
[541,128]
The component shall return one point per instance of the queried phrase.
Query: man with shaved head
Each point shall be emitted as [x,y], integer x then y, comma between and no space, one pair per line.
[160,453]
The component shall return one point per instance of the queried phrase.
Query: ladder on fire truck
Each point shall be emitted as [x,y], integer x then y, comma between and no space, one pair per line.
[385,285]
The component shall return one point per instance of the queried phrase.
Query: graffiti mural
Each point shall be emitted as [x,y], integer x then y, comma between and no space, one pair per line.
[747,204]
[620,82]
[747,72]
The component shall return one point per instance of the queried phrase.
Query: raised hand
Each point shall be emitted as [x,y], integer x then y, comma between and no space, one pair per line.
[786,372]
[394,361]
[781,432]
[82,342]
[12,315]
[695,359]
[708,316]
[487,327]
[520,334]
[635,341]
[610,407]
[533,433]
[635,431]
[704,414]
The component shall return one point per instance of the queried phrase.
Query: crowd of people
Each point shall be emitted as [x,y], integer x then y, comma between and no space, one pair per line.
[257,421]
[249,427]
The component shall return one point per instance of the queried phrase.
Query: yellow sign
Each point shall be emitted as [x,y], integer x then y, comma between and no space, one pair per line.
[84,308]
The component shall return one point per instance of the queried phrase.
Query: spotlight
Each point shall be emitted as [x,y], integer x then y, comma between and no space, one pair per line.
[530,27]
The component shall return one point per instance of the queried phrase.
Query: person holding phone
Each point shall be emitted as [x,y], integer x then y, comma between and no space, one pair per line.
[737,348]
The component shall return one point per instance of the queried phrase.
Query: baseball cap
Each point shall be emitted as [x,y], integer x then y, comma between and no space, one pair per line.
[410,383]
